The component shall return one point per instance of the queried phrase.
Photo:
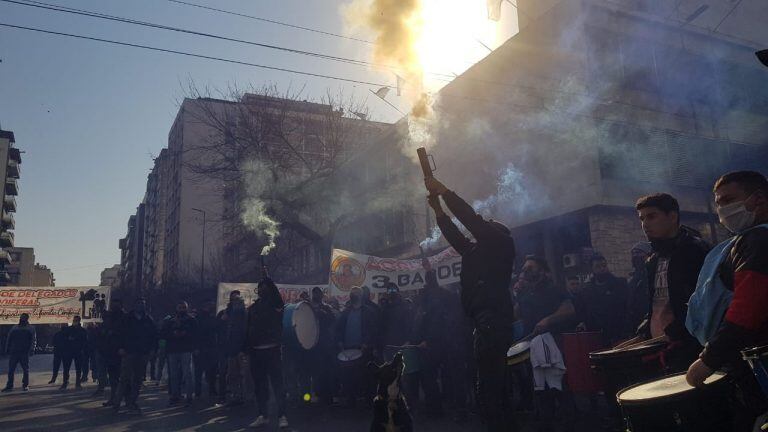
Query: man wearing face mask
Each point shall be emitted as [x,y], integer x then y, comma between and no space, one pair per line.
[179,333]
[231,341]
[486,271]
[603,302]
[138,340]
[742,206]
[637,296]
[673,269]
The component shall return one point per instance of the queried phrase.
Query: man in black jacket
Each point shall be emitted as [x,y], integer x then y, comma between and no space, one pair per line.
[264,337]
[179,333]
[204,357]
[741,199]
[602,303]
[233,361]
[59,339]
[20,344]
[322,355]
[673,268]
[74,350]
[139,339]
[108,343]
[487,265]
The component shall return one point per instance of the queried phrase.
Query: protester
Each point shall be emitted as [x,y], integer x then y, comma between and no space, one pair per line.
[263,338]
[59,339]
[358,327]
[109,340]
[486,271]
[75,345]
[20,344]
[637,297]
[741,200]
[92,330]
[573,285]
[179,333]
[205,355]
[397,318]
[139,339]
[673,268]
[87,353]
[602,303]
[322,355]
[233,362]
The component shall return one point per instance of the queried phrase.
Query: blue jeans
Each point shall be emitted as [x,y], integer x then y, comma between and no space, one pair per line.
[180,373]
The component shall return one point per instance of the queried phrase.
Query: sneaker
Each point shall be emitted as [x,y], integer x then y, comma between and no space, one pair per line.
[53,380]
[260,421]
[25,388]
[64,386]
[108,403]
[282,422]
[7,389]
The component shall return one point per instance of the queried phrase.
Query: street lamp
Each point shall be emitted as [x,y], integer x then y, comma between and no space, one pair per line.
[202,253]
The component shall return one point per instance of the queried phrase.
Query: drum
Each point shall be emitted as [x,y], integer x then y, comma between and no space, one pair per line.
[518,353]
[581,378]
[300,327]
[758,360]
[613,359]
[350,358]
[411,357]
[669,404]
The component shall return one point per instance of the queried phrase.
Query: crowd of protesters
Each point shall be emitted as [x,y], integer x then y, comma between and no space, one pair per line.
[461,332]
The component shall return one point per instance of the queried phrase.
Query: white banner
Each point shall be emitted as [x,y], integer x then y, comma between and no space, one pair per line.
[53,305]
[349,269]
[290,293]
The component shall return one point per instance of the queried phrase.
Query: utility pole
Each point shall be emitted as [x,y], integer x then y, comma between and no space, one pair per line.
[202,252]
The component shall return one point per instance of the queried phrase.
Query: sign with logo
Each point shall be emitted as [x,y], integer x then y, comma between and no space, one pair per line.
[53,305]
[349,269]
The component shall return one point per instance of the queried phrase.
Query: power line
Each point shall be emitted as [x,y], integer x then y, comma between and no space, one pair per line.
[271,21]
[202,56]
[92,14]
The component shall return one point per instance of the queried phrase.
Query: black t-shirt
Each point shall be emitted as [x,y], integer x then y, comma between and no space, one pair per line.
[538,302]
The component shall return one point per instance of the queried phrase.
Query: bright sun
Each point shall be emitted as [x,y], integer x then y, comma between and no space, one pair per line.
[450,31]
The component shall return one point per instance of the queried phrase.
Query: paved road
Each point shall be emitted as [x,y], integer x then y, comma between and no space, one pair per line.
[45,408]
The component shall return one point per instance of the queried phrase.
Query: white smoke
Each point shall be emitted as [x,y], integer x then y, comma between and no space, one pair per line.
[254,210]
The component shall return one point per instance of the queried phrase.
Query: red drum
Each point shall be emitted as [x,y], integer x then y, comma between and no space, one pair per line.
[579,374]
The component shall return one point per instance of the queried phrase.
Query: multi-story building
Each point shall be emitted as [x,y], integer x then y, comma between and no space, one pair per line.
[155,202]
[10,161]
[25,271]
[131,260]
[110,276]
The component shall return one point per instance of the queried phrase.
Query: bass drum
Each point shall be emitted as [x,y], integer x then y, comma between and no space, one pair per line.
[300,327]
[669,404]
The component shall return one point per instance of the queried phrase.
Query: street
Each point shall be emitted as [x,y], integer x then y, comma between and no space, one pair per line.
[45,408]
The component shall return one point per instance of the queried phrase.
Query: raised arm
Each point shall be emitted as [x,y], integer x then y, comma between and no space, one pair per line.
[451,232]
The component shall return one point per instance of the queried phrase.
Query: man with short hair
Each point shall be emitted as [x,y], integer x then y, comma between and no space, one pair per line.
[59,339]
[603,301]
[20,344]
[322,355]
[108,343]
[179,333]
[74,349]
[741,200]
[673,269]
[138,341]
[573,285]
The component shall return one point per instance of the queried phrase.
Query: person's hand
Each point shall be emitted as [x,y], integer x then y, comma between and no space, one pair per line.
[434,186]
[698,372]
[434,202]
[542,327]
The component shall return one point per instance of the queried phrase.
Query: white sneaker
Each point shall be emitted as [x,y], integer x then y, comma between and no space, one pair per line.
[260,421]
[282,422]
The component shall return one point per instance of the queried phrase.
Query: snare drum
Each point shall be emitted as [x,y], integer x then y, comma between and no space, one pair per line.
[518,353]
[758,360]
[669,404]
[623,359]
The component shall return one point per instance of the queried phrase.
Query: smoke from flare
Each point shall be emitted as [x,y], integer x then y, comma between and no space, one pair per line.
[255,217]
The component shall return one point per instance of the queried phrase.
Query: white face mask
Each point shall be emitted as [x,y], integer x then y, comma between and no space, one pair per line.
[735,216]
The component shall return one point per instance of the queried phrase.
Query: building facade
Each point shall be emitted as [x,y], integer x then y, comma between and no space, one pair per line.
[10,161]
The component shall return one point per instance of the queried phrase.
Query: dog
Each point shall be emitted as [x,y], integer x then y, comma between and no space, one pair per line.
[390,410]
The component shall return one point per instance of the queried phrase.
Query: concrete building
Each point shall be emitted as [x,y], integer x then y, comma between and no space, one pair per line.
[10,161]
[25,271]
[110,276]
[155,202]
[131,260]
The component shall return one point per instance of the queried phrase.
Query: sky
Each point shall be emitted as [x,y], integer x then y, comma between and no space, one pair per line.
[89,116]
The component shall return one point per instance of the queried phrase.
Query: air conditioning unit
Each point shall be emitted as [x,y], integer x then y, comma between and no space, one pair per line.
[571,260]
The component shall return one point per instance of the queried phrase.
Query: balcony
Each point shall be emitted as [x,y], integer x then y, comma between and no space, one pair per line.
[13,169]
[5,277]
[14,155]
[6,239]
[8,222]
[11,186]
[5,257]
[9,205]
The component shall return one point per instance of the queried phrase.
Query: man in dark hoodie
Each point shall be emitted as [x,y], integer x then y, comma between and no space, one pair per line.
[231,342]
[74,350]
[487,264]
[205,355]
[138,341]
[108,343]
[59,338]
[673,268]
[20,343]
[179,333]
[264,336]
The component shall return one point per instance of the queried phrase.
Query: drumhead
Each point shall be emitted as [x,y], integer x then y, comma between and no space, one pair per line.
[349,355]
[667,387]
[305,325]
[518,348]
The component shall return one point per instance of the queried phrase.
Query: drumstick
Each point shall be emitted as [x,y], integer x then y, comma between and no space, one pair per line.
[641,343]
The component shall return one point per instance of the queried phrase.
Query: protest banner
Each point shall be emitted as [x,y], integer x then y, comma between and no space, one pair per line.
[290,293]
[53,305]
